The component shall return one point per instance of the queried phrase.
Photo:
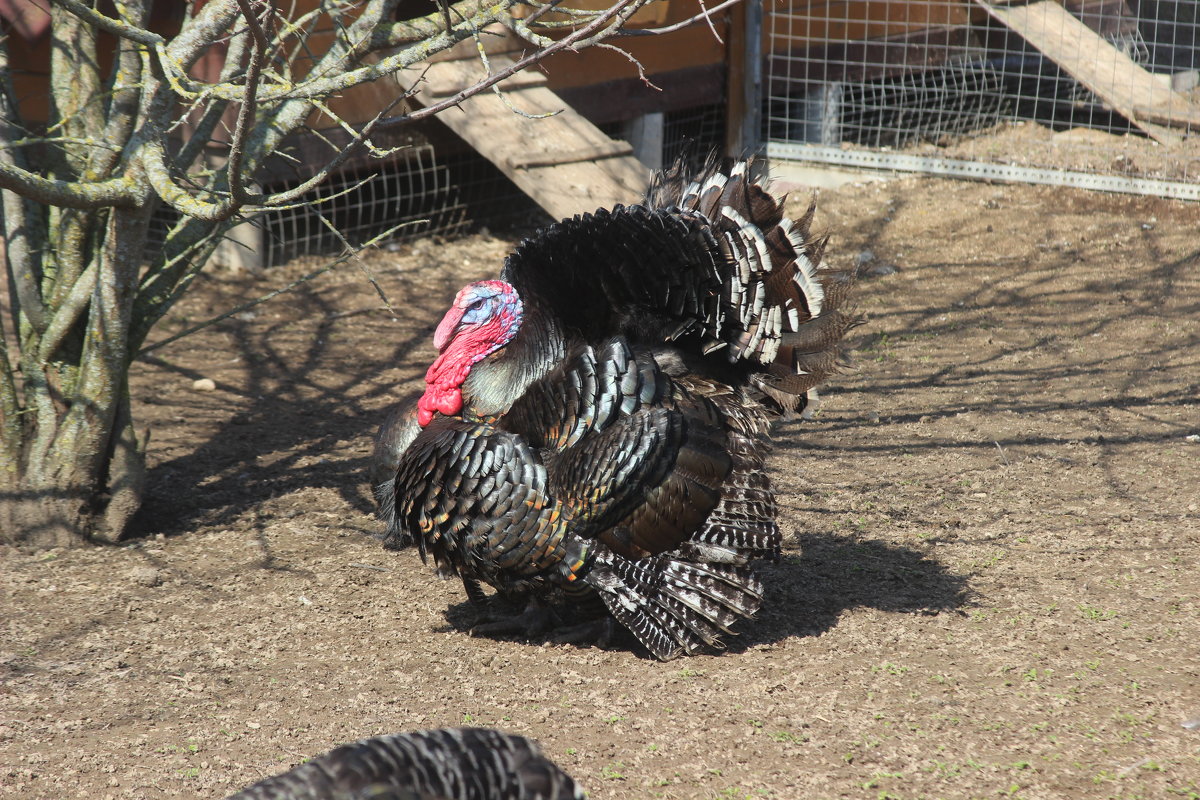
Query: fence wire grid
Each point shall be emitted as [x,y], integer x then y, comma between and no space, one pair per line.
[1013,91]
[441,188]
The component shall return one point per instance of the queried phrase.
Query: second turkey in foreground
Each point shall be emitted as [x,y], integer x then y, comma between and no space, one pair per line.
[593,431]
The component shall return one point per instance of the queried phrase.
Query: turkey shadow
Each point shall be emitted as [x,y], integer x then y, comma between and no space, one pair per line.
[806,594]
[835,573]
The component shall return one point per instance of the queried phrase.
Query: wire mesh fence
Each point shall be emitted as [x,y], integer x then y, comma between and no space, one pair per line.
[414,191]
[1096,92]
[442,189]
[437,188]
[694,132]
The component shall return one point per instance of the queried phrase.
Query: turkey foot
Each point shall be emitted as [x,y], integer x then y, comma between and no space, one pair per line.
[535,620]
[599,632]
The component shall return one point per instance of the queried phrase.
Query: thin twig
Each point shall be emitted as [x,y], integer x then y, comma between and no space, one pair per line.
[342,259]
[630,57]
[487,68]
[705,15]
[361,264]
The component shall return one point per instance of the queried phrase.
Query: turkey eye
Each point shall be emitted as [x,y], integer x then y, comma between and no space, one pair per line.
[478,304]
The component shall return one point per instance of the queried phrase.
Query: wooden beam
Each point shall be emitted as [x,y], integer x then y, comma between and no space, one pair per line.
[1171,116]
[1094,62]
[743,116]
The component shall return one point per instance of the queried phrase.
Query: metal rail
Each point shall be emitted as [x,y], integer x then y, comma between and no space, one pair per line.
[980,170]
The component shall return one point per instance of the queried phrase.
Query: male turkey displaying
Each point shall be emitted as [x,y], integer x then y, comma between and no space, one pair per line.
[596,422]
[445,764]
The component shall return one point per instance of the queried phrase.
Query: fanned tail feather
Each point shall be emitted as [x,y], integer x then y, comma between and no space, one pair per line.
[674,606]
[788,310]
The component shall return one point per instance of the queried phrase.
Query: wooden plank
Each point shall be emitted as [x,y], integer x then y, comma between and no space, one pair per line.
[441,83]
[565,163]
[1089,59]
[1170,116]
[592,152]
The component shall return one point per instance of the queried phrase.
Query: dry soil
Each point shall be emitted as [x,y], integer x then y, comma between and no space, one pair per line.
[990,586]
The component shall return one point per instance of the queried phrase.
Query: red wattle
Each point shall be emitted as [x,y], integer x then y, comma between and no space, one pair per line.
[443,388]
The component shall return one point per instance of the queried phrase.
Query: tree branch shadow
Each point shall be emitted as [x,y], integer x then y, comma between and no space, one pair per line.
[300,388]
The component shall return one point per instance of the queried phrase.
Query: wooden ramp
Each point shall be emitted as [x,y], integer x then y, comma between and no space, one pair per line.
[565,163]
[1142,98]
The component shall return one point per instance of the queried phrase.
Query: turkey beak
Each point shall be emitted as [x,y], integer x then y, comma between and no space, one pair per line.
[447,327]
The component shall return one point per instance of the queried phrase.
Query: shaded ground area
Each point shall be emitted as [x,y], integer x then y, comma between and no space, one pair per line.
[990,585]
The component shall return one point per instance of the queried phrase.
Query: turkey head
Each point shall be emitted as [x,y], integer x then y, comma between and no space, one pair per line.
[484,317]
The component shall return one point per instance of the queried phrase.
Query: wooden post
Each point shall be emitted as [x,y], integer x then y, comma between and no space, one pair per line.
[743,108]
[241,249]
[645,134]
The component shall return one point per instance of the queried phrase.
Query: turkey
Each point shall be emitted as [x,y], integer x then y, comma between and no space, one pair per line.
[445,764]
[593,431]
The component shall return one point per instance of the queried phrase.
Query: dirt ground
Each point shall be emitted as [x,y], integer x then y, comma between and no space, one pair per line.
[991,585]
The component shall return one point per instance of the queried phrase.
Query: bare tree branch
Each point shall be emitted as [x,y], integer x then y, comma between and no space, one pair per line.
[68,313]
[124,91]
[202,30]
[10,411]
[76,102]
[119,192]
[88,422]
[189,245]
[24,267]
[215,109]
[334,66]
[153,159]
[358,138]
[704,16]
[126,31]
[245,120]
[487,68]
[390,34]
[591,33]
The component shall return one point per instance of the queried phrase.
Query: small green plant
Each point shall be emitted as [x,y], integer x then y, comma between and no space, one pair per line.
[738,793]
[612,772]
[1096,614]
[889,668]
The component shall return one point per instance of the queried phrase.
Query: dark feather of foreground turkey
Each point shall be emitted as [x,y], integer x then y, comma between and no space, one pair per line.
[595,426]
[443,764]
